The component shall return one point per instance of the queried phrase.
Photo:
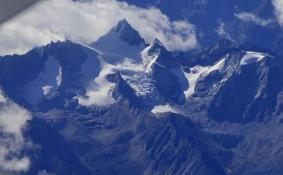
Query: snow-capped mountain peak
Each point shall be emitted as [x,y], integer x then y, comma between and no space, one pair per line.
[154,51]
[128,33]
[121,41]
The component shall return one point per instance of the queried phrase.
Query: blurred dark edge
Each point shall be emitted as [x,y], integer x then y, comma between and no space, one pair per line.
[10,8]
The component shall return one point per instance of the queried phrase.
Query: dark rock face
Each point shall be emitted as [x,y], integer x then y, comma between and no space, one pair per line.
[166,82]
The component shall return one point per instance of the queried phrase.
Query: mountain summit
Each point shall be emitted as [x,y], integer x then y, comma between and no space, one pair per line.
[122,40]
[128,33]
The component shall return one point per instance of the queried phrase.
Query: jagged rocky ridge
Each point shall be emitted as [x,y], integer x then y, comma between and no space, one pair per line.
[137,108]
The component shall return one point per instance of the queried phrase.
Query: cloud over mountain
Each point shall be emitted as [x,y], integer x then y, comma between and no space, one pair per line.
[250,17]
[13,120]
[278,4]
[86,21]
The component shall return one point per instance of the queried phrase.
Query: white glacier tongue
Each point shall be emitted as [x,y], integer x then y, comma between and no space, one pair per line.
[121,41]
[198,72]
[192,78]
[252,57]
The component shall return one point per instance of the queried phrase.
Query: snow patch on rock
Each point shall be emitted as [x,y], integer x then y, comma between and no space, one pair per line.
[59,77]
[252,57]
[164,109]
[47,90]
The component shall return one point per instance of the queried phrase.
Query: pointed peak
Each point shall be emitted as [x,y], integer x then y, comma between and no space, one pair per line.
[128,33]
[157,43]
[155,52]
[122,24]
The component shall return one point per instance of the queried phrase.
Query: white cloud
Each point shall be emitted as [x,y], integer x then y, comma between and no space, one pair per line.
[250,17]
[13,120]
[278,4]
[86,22]
[220,30]
[2,97]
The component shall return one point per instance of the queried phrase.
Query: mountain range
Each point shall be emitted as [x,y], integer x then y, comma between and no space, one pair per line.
[123,106]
